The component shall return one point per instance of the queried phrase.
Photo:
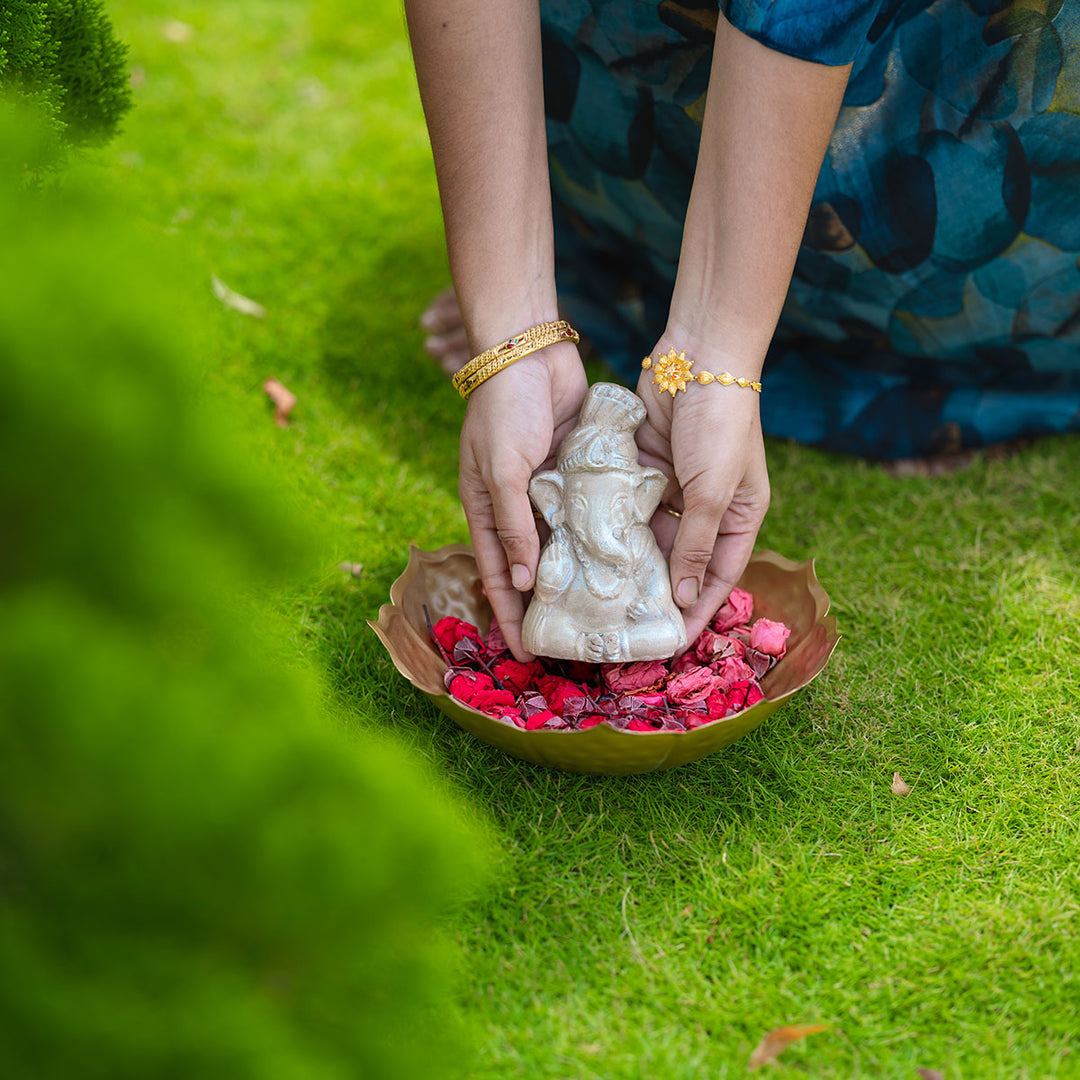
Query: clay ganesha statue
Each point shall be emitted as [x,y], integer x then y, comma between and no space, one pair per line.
[602,589]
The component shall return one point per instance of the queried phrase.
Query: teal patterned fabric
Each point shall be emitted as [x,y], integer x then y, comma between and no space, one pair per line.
[936,299]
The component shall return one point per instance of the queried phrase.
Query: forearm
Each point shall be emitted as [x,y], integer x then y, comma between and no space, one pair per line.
[478,65]
[767,123]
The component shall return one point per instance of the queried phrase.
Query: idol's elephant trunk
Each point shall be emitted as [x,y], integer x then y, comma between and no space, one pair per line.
[598,536]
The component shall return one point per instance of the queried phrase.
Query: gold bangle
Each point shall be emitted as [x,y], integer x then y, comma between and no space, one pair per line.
[480,368]
[671,372]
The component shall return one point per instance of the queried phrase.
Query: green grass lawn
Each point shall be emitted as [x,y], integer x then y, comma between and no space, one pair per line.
[655,926]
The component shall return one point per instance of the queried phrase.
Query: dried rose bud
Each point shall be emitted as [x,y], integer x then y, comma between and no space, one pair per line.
[769,637]
[735,610]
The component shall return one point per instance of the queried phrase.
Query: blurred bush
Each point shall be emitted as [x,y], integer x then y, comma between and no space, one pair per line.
[62,59]
[201,873]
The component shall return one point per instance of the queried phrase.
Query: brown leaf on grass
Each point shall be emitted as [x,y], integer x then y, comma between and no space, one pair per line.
[930,1074]
[232,299]
[777,1040]
[354,568]
[283,398]
[898,785]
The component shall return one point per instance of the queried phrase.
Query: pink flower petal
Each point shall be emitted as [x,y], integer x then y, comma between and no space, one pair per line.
[736,609]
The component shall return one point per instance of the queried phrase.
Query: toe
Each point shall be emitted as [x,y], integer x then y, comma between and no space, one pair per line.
[442,314]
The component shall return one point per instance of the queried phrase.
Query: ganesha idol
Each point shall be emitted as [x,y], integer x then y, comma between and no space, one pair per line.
[602,589]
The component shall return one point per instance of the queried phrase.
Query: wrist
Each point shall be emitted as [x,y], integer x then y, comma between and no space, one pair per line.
[714,351]
[501,313]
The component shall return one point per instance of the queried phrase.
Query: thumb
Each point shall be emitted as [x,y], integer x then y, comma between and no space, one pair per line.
[694,543]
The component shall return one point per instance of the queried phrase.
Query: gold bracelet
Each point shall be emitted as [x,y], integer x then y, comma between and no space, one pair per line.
[672,372]
[480,368]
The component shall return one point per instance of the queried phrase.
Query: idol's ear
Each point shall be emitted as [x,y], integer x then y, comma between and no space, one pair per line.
[546,491]
[648,493]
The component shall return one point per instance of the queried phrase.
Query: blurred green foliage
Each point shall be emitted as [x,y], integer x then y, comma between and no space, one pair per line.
[201,873]
[63,59]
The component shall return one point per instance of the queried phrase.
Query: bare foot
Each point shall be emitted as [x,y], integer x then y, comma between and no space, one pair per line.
[953,461]
[446,341]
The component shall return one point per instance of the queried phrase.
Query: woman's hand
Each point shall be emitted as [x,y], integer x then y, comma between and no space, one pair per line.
[767,123]
[708,441]
[513,425]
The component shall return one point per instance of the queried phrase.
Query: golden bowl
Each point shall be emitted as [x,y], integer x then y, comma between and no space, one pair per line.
[447,583]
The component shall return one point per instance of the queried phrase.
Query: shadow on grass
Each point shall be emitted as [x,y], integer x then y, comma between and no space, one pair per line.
[733,786]
[372,354]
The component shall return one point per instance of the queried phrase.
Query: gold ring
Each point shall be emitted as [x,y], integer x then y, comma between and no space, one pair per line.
[670,510]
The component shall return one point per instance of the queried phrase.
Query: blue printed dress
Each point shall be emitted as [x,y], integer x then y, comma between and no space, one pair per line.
[935,303]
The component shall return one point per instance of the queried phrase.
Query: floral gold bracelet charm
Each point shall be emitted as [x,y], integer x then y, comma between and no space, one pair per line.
[671,372]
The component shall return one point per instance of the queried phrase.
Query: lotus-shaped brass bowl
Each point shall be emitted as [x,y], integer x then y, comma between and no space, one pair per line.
[447,583]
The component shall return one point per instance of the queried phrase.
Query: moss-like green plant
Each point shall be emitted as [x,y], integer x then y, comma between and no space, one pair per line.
[63,57]
[201,874]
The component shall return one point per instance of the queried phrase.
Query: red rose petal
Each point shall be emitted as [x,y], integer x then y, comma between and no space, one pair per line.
[629,678]
[591,721]
[769,637]
[539,719]
[465,685]
[486,700]
[736,609]
[690,686]
[730,671]
[495,643]
[516,676]
[716,677]
[557,690]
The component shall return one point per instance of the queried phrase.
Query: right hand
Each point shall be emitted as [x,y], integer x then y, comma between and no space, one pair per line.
[513,425]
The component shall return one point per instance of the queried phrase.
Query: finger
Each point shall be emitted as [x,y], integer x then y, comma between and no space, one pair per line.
[664,528]
[506,602]
[514,522]
[692,551]
[507,547]
[665,521]
[730,557]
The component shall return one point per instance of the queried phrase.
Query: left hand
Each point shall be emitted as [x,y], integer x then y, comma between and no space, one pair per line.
[708,441]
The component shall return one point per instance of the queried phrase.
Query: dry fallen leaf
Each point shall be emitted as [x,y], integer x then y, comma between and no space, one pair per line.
[234,300]
[354,568]
[283,398]
[898,785]
[688,910]
[312,91]
[774,1043]
[176,31]
[930,1074]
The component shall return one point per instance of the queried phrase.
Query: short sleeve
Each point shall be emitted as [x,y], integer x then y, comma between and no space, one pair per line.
[824,31]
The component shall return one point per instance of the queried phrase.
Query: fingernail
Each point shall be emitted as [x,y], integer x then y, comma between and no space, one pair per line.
[519,575]
[427,320]
[687,592]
